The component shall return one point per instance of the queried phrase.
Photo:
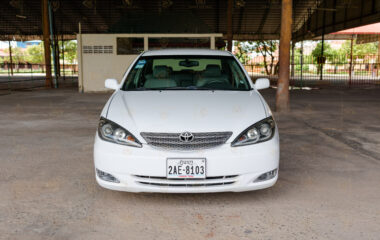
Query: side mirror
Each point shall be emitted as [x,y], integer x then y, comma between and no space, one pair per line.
[111,84]
[262,83]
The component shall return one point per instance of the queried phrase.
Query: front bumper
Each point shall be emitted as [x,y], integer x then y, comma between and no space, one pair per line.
[228,169]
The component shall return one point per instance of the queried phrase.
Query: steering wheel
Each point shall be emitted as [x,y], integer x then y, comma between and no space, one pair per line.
[213,82]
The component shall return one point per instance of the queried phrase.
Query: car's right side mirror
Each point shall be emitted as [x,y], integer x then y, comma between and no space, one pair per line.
[262,83]
[111,83]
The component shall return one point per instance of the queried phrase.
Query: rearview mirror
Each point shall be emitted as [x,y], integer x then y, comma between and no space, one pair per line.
[188,63]
[262,83]
[111,84]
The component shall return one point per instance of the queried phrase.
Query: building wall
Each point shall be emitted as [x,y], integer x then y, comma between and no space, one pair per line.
[95,67]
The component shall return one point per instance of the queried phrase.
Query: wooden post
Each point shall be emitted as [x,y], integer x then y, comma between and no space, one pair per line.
[282,94]
[229,25]
[10,57]
[46,38]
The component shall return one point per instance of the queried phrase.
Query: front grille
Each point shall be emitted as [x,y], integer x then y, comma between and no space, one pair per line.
[165,182]
[200,140]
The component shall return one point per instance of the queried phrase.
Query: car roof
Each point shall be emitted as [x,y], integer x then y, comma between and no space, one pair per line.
[186,51]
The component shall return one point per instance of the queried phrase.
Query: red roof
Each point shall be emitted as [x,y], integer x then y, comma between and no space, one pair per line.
[367,29]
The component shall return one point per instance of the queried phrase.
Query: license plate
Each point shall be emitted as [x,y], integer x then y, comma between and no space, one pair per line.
[186,168]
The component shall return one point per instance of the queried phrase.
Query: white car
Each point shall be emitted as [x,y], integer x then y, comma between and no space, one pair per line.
[186,121]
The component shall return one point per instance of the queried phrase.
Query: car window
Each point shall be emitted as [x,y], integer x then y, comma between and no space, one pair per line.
[187,73]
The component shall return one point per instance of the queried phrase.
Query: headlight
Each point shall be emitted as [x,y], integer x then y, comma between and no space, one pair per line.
[258,132]
[111,132]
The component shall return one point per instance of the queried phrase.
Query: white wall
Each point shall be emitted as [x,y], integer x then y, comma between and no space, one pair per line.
[94,68]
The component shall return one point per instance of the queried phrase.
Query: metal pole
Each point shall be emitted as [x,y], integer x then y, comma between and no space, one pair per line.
[301,63]
[80,67]
[350,73]
[46,38]
[53,45]
[322,55]
[378,57]
[282,94]
[63,57]
[292,64]
[10,56]
[229,25]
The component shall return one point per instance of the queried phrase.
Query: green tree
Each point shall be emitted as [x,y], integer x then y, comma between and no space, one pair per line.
[267,49]
[242,50]
[70,51]
[328,52]
[18,55]
[35,54]
[358,50]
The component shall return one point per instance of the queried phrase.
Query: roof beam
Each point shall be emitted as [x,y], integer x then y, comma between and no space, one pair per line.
[263,19]
[347,17]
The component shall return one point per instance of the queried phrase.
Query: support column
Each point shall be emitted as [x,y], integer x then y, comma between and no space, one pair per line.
[146,43]
[212,42]
[301,61]
[282,94]
[229,25]
[46,38]
[52,40]
[10,57]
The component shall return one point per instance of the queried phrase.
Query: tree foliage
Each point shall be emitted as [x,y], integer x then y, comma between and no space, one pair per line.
[18,55]
[241,52]
[358,50]
[70,51]
[266,48]
[328,52]
[35,54]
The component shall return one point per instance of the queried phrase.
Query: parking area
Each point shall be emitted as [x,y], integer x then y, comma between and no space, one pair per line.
[328,186]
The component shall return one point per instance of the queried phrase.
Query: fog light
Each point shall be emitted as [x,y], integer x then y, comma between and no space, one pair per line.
[267,176]
[106,176]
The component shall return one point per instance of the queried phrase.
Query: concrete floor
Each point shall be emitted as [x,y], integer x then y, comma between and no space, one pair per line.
[329,185]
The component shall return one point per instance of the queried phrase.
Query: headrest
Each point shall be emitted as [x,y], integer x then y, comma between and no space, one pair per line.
[212,70]
[160,72]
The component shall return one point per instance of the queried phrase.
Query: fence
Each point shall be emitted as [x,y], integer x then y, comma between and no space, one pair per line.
[20,76]
[337,71]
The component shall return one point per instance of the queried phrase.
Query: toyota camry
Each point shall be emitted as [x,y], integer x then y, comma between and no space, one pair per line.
[186,121]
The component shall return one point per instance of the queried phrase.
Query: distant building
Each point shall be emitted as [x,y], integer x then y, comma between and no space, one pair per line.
[28,43]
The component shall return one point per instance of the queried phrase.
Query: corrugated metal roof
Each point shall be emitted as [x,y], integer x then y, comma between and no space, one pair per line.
[102,16]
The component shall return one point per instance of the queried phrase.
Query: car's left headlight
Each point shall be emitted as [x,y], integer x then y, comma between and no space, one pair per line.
[258,132]
[112,132]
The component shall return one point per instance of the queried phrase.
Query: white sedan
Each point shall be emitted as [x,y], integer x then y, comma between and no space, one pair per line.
[186,121]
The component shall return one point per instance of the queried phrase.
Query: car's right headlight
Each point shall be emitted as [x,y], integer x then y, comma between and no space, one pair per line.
[112,132]
[258,132]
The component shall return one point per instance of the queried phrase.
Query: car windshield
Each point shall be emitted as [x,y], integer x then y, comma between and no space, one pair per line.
[186,73]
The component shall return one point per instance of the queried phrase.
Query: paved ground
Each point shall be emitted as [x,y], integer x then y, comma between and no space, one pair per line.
[329,185]
[25,82]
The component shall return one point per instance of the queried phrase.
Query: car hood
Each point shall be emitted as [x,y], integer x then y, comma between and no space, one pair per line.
[180,111]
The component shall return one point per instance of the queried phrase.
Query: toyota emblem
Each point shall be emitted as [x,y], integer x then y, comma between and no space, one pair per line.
[186,137]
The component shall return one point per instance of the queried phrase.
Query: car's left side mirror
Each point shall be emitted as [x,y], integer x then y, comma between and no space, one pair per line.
[111,84]
[262,83]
